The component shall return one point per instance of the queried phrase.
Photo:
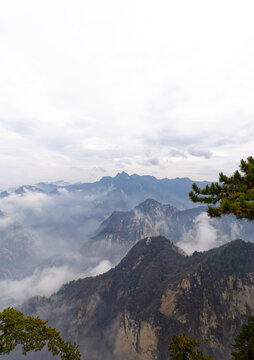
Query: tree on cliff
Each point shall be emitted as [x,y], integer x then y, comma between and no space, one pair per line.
[244,342]
[234,194]
[32,334]
[183,348]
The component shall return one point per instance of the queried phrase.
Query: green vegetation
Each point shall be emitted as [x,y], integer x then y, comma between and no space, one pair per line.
[244,342]
[234,194]
[183,348]
[32,334]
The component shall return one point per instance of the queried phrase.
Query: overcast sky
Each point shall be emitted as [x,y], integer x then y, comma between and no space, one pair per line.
[91,88]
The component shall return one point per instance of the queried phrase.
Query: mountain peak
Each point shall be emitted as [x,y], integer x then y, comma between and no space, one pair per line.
[147,204]
[151,204]
[152,249]
[122,175]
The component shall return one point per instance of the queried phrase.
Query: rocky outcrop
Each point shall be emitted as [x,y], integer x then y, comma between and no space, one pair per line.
[136,340]
[131,312]
[151,218]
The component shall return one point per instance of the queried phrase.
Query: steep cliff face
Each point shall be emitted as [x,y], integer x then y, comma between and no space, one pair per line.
[151,218]
[213,301]
[131,312]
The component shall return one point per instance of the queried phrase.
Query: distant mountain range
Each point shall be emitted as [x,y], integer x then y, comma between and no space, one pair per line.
[123,191]
[131,312]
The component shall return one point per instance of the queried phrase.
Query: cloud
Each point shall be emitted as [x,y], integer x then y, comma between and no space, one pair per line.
[101,268]
[41,282]
[100,169]
[237,230]
[5,222]
[176,153]
[200,152]
[203,237]
[77,93]
[60,220]
[208,233]
[167,138]
[40,239]
[44,282]
[151,162]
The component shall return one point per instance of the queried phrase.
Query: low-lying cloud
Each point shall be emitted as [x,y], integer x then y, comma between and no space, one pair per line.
[44,281]
[204,235]
[41,236]
[55,222]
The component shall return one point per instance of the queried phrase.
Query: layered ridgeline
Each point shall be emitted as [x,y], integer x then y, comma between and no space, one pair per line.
[191,229]
[46,224]
[130,312]
[120,192]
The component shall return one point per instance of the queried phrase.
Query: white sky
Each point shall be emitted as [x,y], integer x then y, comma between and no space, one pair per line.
[90,88]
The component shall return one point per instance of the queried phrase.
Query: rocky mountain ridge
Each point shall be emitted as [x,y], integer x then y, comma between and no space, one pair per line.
[131,311]
[151,218]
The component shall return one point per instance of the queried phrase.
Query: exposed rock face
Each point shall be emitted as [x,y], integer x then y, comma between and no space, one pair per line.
[139,341]
[131,312]
[151,218]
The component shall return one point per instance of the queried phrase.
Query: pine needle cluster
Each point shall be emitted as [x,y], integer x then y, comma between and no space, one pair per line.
[233,194]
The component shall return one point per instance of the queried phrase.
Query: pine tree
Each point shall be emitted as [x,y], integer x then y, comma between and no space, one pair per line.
[182,347]
[244,342]
[233,194]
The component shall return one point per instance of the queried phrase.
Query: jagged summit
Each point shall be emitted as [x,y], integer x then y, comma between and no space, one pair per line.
[128,227]
[152,218]
[151,206]
[122,174]
[147,248]
[149,202]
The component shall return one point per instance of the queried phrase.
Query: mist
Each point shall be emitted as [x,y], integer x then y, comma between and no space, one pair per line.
[40,240]
[44,282]
[47,240]
[53,219]
[208,233]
